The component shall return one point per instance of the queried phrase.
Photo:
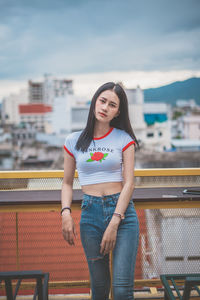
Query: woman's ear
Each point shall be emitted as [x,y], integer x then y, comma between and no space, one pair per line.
[118,113]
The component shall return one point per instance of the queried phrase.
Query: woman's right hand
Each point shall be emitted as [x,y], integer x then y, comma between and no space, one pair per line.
[68,228]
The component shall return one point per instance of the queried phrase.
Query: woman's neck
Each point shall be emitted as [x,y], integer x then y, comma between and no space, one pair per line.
[101,129]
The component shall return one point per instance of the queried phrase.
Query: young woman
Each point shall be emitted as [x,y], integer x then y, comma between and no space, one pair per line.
[103,154]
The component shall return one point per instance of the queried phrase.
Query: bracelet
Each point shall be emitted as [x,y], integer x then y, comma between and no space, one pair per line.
[119,215]
[66,207]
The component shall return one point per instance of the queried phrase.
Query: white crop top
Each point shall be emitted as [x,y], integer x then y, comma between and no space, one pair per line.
[102,162]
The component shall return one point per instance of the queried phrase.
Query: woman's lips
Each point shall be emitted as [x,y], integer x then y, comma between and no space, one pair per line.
[102,114]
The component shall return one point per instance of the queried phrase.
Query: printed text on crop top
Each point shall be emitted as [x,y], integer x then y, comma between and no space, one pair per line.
[102,162]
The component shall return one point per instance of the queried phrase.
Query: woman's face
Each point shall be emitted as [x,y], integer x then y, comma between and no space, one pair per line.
[107,106]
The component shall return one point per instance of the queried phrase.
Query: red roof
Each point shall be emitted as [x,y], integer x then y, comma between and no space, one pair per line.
[34,108]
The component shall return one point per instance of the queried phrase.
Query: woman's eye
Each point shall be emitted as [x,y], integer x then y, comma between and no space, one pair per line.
[103,101]
[113,105]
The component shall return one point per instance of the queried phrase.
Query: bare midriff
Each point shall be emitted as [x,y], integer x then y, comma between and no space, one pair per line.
[102,189]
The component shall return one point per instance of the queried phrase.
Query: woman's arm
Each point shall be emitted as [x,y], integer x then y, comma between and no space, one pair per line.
[128,183]
[109,237]
[68,226]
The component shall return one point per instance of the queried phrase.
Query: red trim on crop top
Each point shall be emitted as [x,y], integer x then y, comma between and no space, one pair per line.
[68,151]
[101,137]
[131,143]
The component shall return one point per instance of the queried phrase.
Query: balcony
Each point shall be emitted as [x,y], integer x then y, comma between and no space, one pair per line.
[31,235]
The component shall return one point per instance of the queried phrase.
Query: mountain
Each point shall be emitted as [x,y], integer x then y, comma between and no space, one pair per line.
[187,89]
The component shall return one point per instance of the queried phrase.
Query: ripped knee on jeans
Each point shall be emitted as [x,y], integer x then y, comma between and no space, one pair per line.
[95,258]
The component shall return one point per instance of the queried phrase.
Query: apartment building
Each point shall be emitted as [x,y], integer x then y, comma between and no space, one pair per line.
[36,114]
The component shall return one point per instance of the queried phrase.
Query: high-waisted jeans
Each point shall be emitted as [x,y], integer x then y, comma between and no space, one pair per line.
[95,217]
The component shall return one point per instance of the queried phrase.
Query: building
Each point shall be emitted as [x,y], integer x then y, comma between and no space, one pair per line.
[10,113]
[158,130]
[36,114]
[6,151]
[36,92]
[56,88]
[185,145]
[24,133]
[136,111]
[0,111]
[187,127]
[150,121]
[191,127]
[48,89]
[69,114]
[186,105]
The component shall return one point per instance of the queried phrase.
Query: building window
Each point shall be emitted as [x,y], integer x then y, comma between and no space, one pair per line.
[150,134]
[160,133]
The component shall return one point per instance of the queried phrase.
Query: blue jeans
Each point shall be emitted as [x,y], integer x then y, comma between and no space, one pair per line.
[95,217]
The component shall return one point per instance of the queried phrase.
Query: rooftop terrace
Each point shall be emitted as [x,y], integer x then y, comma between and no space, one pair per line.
[31,236]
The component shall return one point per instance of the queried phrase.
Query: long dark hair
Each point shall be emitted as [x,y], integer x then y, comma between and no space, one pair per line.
[122,121]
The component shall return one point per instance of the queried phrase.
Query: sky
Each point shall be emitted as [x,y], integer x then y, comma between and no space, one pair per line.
[139,42]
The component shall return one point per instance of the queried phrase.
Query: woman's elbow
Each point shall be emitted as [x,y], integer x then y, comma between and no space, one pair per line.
[130,185]
[67,184]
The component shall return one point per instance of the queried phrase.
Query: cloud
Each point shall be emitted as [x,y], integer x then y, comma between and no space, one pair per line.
[86,84]
[75,37]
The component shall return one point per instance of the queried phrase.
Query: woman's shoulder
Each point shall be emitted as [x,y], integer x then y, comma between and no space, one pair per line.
[124,138]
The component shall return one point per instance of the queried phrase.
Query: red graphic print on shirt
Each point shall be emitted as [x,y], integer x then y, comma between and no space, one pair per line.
[98,156]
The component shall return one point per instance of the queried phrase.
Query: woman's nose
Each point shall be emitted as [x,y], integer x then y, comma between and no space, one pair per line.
[105,106]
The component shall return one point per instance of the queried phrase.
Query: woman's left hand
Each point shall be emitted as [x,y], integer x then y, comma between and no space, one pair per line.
[109,238]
